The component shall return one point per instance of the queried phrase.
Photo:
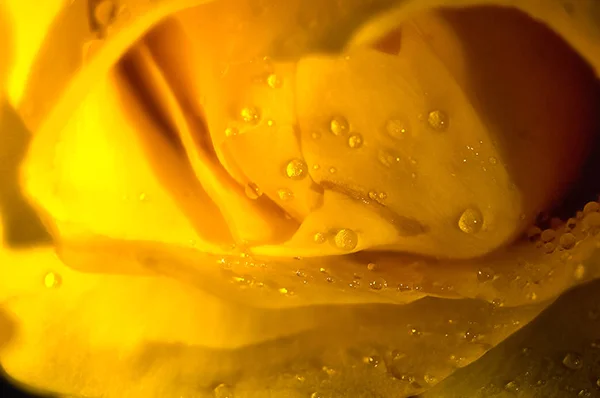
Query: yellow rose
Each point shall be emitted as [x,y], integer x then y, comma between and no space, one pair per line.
[288,198]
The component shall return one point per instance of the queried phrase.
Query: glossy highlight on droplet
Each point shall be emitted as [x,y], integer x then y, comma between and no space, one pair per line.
[250,115]
[470,221]
[346,239]
[252,191]
[397,128]
[285,194]
[438,120]
[355,141]
[296,169]
[274,81]
[339,125]
[52,280]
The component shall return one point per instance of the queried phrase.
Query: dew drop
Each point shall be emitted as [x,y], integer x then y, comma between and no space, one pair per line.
[592,221]
[471,336]
[274,81]
[332,170]
[223,391]
[372,360]
[231,131]
[573,361]
[493,160]
[250,115]
[591,207]
[52,280]
[430,379]
[252,191]
[319,237]
[470,221]
[378,284]
[549,247]
[567,241]
[296,169]
[548,235]
[339,125]
[285,194]
[512,386]
[105,12]
[346,239]
[315,395]
[397,128]
[485,274]
[388,159]
[372,266]
[579,272]
[355,141]
[438,120]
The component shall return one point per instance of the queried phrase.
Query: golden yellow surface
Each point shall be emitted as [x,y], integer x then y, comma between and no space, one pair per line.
[224,265]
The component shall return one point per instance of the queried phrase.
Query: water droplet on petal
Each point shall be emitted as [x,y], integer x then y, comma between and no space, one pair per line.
[355,141]
[252,191]
[592,221]
[346,239]
[250,115]
[274,81]
[438,120]
[579,272]
[372,266]
[285,194]
[567,241]
[573,361]
[231,131]
[378,284]
[339,125]
[296,169]
[223,391]
[332,170]
[470,221]
[549,247]
[429,379]
[591,207]
[512,386]
[485,274]
[52,280]
[493,160]
[319,237]
[397,128]
[548,235]
[388,158]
